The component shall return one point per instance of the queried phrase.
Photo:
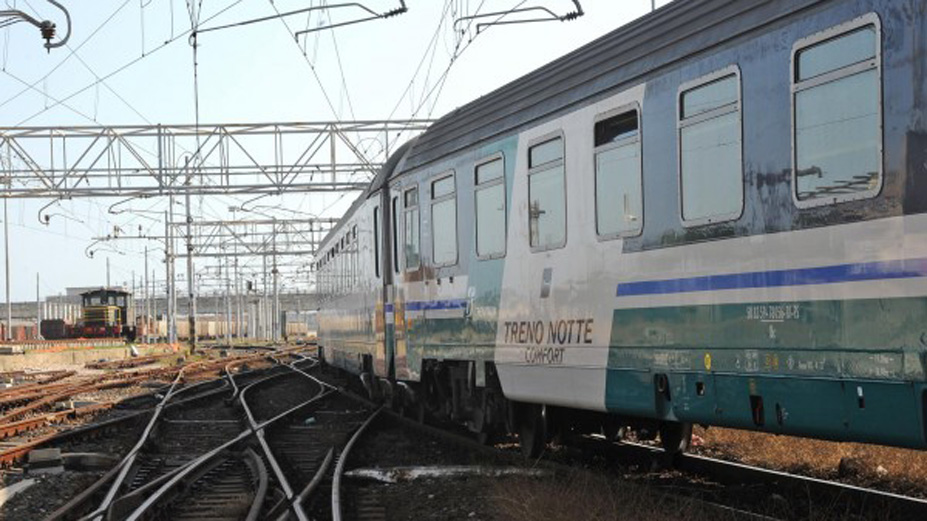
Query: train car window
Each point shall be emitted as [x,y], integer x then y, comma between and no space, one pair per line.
[444,221]
[711,149]
[490,208]
[412,240]
[546,195]
[355,263]
[618,181]
[837,100]
[394,215]
[376,241]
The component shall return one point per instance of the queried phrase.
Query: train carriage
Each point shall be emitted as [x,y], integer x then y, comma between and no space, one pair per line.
[715,215]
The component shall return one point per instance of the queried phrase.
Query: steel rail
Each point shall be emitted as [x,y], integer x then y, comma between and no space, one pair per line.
[258,430]
[253,429]
[179,473]
[261,492]
[313,484]
[126,463]
[88,492]
[183,473]
[738,473]
[342,461]
[119,469]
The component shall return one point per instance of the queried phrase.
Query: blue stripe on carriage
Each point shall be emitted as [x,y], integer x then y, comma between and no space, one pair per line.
[424,305]
[895,269]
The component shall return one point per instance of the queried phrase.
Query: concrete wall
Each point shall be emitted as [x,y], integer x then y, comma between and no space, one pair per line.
[71,359]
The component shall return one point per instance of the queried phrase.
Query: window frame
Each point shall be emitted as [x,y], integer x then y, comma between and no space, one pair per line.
[550,136]
[376,241]
[638,139]
[405,209]
[452,173]
[354,253]
[396,229]
[796,86]
[681,123]
[498,156]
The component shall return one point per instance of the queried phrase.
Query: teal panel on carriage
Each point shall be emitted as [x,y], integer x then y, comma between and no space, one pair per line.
[389,335]
[840,369]
[471,336]
[867,338]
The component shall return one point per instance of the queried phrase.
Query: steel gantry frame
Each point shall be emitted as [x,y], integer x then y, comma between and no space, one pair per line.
[267,239]
[143,161]
[156,160]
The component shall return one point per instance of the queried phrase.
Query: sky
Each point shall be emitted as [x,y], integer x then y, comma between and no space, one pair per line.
[131,62]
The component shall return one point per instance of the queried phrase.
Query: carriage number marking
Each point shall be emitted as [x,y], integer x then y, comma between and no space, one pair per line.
[774,312]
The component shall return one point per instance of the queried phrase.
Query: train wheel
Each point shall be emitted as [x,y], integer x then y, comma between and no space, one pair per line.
[532,429]
[613,430]
[675,437]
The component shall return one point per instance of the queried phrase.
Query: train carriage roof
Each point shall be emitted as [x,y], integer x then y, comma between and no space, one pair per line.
[619,59]
[660,39]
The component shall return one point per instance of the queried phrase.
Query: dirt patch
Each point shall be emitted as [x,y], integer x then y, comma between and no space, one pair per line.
[897,470]
[593,496]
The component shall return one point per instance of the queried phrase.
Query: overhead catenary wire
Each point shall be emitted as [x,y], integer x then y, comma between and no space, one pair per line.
[344,83]
[123,67]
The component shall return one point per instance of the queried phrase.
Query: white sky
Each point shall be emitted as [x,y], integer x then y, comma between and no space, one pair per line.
[256,73]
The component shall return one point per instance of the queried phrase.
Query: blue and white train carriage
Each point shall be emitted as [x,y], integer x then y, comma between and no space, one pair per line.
[715,214]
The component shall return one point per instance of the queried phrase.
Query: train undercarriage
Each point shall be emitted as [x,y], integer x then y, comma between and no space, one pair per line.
[448,393]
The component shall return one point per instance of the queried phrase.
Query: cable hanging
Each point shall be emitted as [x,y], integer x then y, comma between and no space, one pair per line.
[46,27]
[548,16]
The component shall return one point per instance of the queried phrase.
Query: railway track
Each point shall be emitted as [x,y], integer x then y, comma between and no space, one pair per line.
[282,444]
[728,489]
[750,489]
[296,424]
[211,459]
[27,408]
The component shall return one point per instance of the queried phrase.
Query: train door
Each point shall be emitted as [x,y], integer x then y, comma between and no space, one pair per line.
[397,301]
[387,265]
[382,366]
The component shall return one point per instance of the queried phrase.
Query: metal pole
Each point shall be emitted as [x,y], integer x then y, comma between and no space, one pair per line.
[264,332]
[238,312]
[172,319]
[6,241]
[147,308]
[228,305]
[276,309]
[38,309]
[168,279]
[191,284]
[154,301]
[107,272]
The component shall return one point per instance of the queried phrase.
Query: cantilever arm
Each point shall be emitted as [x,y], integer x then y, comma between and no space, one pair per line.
[551,16]
[47,27]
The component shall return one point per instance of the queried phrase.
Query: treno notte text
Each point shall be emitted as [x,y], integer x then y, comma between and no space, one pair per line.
[570,331]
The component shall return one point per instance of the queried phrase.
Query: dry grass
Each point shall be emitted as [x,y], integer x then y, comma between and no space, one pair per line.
[591,497]
[900,470]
